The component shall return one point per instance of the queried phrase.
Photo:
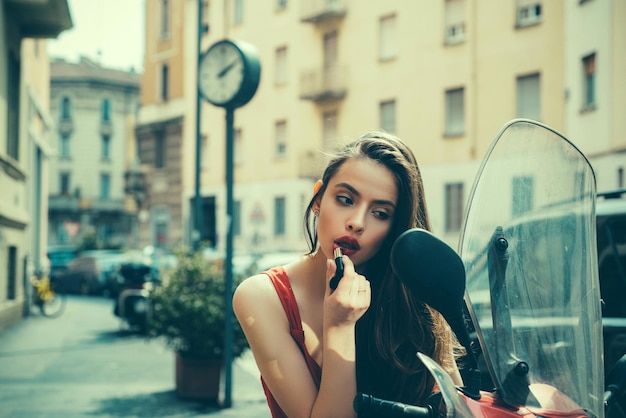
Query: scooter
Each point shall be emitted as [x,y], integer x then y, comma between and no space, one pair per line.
[526,276]
[132,306]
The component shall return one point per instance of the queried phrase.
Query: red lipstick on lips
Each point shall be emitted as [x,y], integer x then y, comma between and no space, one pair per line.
[347,244]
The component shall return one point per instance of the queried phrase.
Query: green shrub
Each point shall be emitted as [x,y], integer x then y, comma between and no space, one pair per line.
[189,309]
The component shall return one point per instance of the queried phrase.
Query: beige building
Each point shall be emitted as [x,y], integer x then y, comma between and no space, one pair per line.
[445,76]
[94,108]
[24,145]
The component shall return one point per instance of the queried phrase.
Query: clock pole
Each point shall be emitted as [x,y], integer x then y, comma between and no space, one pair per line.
[196,230]
[228,280]
[228,76]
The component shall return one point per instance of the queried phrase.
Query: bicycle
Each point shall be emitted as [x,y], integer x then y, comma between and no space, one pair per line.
[50,303]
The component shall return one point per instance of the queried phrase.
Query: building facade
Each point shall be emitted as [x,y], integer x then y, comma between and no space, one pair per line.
[444,76]
[25,149]
[165,120]
[94,110]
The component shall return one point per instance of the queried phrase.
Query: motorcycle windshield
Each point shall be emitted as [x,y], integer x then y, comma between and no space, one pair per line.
[529,249]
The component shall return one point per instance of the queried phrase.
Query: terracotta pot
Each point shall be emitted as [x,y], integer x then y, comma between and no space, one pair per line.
[198,377]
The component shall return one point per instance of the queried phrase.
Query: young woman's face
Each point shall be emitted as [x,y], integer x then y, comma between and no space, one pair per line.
[357,209]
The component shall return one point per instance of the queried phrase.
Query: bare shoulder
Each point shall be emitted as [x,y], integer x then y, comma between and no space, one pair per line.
[256,293]
[254,286]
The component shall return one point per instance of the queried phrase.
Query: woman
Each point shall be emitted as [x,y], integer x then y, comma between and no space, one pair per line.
[316,347]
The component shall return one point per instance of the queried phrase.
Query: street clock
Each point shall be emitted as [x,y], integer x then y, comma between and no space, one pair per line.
[229,73]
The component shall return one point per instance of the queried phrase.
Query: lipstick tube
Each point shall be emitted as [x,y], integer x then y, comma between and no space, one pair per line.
[339,272]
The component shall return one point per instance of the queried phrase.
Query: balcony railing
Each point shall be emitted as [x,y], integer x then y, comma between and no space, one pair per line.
[106,128]
[75,204]
[314,11]
[325,84]
[65,126]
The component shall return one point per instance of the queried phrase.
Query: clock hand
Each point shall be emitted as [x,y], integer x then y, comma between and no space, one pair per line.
[226,69]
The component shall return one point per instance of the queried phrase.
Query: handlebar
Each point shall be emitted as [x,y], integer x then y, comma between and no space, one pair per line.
[369,406]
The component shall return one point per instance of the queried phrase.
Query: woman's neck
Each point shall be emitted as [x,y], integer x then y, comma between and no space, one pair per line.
[309,272]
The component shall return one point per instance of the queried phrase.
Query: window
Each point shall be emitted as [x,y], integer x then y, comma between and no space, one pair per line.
[12,273]
[329,128]
[106,147]
[159,149]
[280,76]
[165,82]
[528,97]
[388,116]
[281,4]
[105,186]
[160,232]
[237,218]
[331,79]
[204,151]
[589,81]
[455,112]
[280,135]
[106,110]
[64,184]
[620,177]
[13,106]
[65,146]
[528,12]
[522,195]
[165,19]
[279,216]
[387,38]
[454,22]
[238,146]
[205,16]
[454,206]
[66,108]
[238,12]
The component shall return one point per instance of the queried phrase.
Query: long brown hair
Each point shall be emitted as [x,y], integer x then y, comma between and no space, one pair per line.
[396,325]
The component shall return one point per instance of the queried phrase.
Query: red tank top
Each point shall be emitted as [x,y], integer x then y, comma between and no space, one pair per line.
[279,278]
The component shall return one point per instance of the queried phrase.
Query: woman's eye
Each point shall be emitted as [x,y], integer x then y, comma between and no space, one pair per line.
[381,215]
[344,200]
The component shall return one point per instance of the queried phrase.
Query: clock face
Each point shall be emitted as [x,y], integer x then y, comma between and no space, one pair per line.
[221,73]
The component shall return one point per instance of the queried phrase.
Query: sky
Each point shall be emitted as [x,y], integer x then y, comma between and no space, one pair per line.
[107,31]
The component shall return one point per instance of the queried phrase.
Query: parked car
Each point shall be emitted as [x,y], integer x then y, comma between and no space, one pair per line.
[60,257]
[88,273]
[611,246]
[611,233]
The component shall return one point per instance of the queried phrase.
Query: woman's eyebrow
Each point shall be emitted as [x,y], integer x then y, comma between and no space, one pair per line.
[356,193]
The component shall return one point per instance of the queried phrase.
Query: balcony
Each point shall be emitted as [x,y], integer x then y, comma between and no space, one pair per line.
[106,128]
[323,85]
[63,203]
[315,11]
[66,126]
[41,18]
[67,203]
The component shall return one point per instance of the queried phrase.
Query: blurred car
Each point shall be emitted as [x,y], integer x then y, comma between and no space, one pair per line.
[611,247]
[88,273]
[611,235]
[60,257]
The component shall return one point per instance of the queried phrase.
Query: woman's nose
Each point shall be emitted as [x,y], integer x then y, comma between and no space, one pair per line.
[356,222]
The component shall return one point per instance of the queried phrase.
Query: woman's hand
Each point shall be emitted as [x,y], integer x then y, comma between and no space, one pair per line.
[350,300]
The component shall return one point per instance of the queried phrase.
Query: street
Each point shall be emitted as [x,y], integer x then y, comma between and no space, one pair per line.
[84,364]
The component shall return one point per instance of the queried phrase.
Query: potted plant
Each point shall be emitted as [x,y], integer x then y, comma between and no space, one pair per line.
[188,312]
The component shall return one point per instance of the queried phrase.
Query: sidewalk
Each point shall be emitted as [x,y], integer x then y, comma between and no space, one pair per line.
[80,365]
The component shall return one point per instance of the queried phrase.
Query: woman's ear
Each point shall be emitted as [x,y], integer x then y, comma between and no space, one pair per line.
[317,187]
